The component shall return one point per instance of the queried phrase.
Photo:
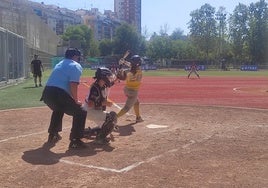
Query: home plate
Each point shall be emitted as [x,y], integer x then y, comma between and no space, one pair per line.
[154,126]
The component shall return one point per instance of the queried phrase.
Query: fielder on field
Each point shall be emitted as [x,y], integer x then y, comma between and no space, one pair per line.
[193,69]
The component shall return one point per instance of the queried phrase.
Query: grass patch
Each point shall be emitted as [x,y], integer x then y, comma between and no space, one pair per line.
[25,94]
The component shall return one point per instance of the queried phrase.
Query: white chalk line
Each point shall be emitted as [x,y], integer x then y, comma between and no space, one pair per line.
[135,165]
[125,169]
[26,135]
[22,136]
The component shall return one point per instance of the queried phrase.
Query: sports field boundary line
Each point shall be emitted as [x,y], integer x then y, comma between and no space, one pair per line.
[210,106]
[166,104]
[138,163]
[27,135]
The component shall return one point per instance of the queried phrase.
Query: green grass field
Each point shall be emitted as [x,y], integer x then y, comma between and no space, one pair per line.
[24,94]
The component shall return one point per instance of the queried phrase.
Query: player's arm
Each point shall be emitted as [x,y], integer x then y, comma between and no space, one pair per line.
[74,91]
[32,67]
[90,103]
[41,65]
[92,96]
[107,102]
[124,62]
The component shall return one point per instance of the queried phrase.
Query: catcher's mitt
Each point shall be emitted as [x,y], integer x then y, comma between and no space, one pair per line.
[121,74]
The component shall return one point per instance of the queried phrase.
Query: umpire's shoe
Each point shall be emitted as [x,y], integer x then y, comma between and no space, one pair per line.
[53,138]
[77,144]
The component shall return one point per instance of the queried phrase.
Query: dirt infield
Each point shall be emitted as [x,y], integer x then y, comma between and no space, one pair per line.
[208,132]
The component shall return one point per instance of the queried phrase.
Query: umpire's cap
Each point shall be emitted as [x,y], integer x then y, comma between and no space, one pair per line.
[70,52]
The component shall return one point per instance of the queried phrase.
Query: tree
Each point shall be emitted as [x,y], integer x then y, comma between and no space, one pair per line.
[222,27]
[258,32]
[160,47]
[238,24]
[80,36]
[184,49]
[177,34]
[127,38]
[164,30]
[203,29]
[106,47]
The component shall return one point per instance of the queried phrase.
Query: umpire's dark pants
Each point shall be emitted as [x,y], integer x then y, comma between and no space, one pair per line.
[61,102]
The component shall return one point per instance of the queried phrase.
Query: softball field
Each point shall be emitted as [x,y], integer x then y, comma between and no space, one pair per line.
[209,132]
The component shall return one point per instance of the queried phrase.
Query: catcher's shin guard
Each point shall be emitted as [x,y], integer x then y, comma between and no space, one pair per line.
[108,125]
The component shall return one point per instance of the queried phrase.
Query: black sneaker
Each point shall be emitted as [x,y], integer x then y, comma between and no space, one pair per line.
[139,119]
[53,138]
[87,133]
[102,141]
[40,85]
[77,144]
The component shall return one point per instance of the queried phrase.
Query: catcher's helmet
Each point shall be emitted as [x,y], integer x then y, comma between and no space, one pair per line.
[106,75]
[135,61]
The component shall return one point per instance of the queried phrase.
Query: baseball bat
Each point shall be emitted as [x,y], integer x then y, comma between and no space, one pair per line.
[123,61]
[126,54]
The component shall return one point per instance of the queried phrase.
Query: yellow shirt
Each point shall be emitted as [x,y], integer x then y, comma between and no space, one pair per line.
[133,81]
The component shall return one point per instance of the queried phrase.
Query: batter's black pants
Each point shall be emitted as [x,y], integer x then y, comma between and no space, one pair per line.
[60,102]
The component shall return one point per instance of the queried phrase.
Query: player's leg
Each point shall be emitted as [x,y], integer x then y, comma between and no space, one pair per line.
[55,127]
[50,98]
[35,79]
[107,128]
[95,116]
[189,74]
[131,99]
[40,78]
[137,111]
[196,73]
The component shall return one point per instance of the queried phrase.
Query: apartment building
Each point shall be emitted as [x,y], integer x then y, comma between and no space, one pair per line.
[129,11]
[102,25]
[58,19]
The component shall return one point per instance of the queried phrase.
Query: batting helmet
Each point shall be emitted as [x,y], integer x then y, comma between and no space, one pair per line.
[135,61]
[106,75]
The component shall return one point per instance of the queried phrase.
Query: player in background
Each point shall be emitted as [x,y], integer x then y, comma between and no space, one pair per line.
[133,79]
[193,69]
[37,69]
[95,105]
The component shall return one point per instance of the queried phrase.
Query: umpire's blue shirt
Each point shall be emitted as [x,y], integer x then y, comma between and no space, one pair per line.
[63,73]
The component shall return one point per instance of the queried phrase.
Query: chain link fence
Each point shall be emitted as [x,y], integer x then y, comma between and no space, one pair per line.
[12,53]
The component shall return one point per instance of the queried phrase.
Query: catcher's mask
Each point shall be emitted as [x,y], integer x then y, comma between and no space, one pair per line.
[106,75]
[135,61]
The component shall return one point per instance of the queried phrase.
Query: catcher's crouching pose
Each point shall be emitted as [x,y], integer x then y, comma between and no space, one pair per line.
[95,105]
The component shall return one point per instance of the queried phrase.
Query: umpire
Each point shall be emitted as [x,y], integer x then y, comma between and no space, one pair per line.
[61,96]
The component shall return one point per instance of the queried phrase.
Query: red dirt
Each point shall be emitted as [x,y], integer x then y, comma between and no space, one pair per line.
[214,134]
[219,91]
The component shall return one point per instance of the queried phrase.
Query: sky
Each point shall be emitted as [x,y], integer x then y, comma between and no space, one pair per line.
[175,14]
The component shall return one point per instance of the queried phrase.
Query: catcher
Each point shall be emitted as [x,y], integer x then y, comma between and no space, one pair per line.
[133,78]
[95,105]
